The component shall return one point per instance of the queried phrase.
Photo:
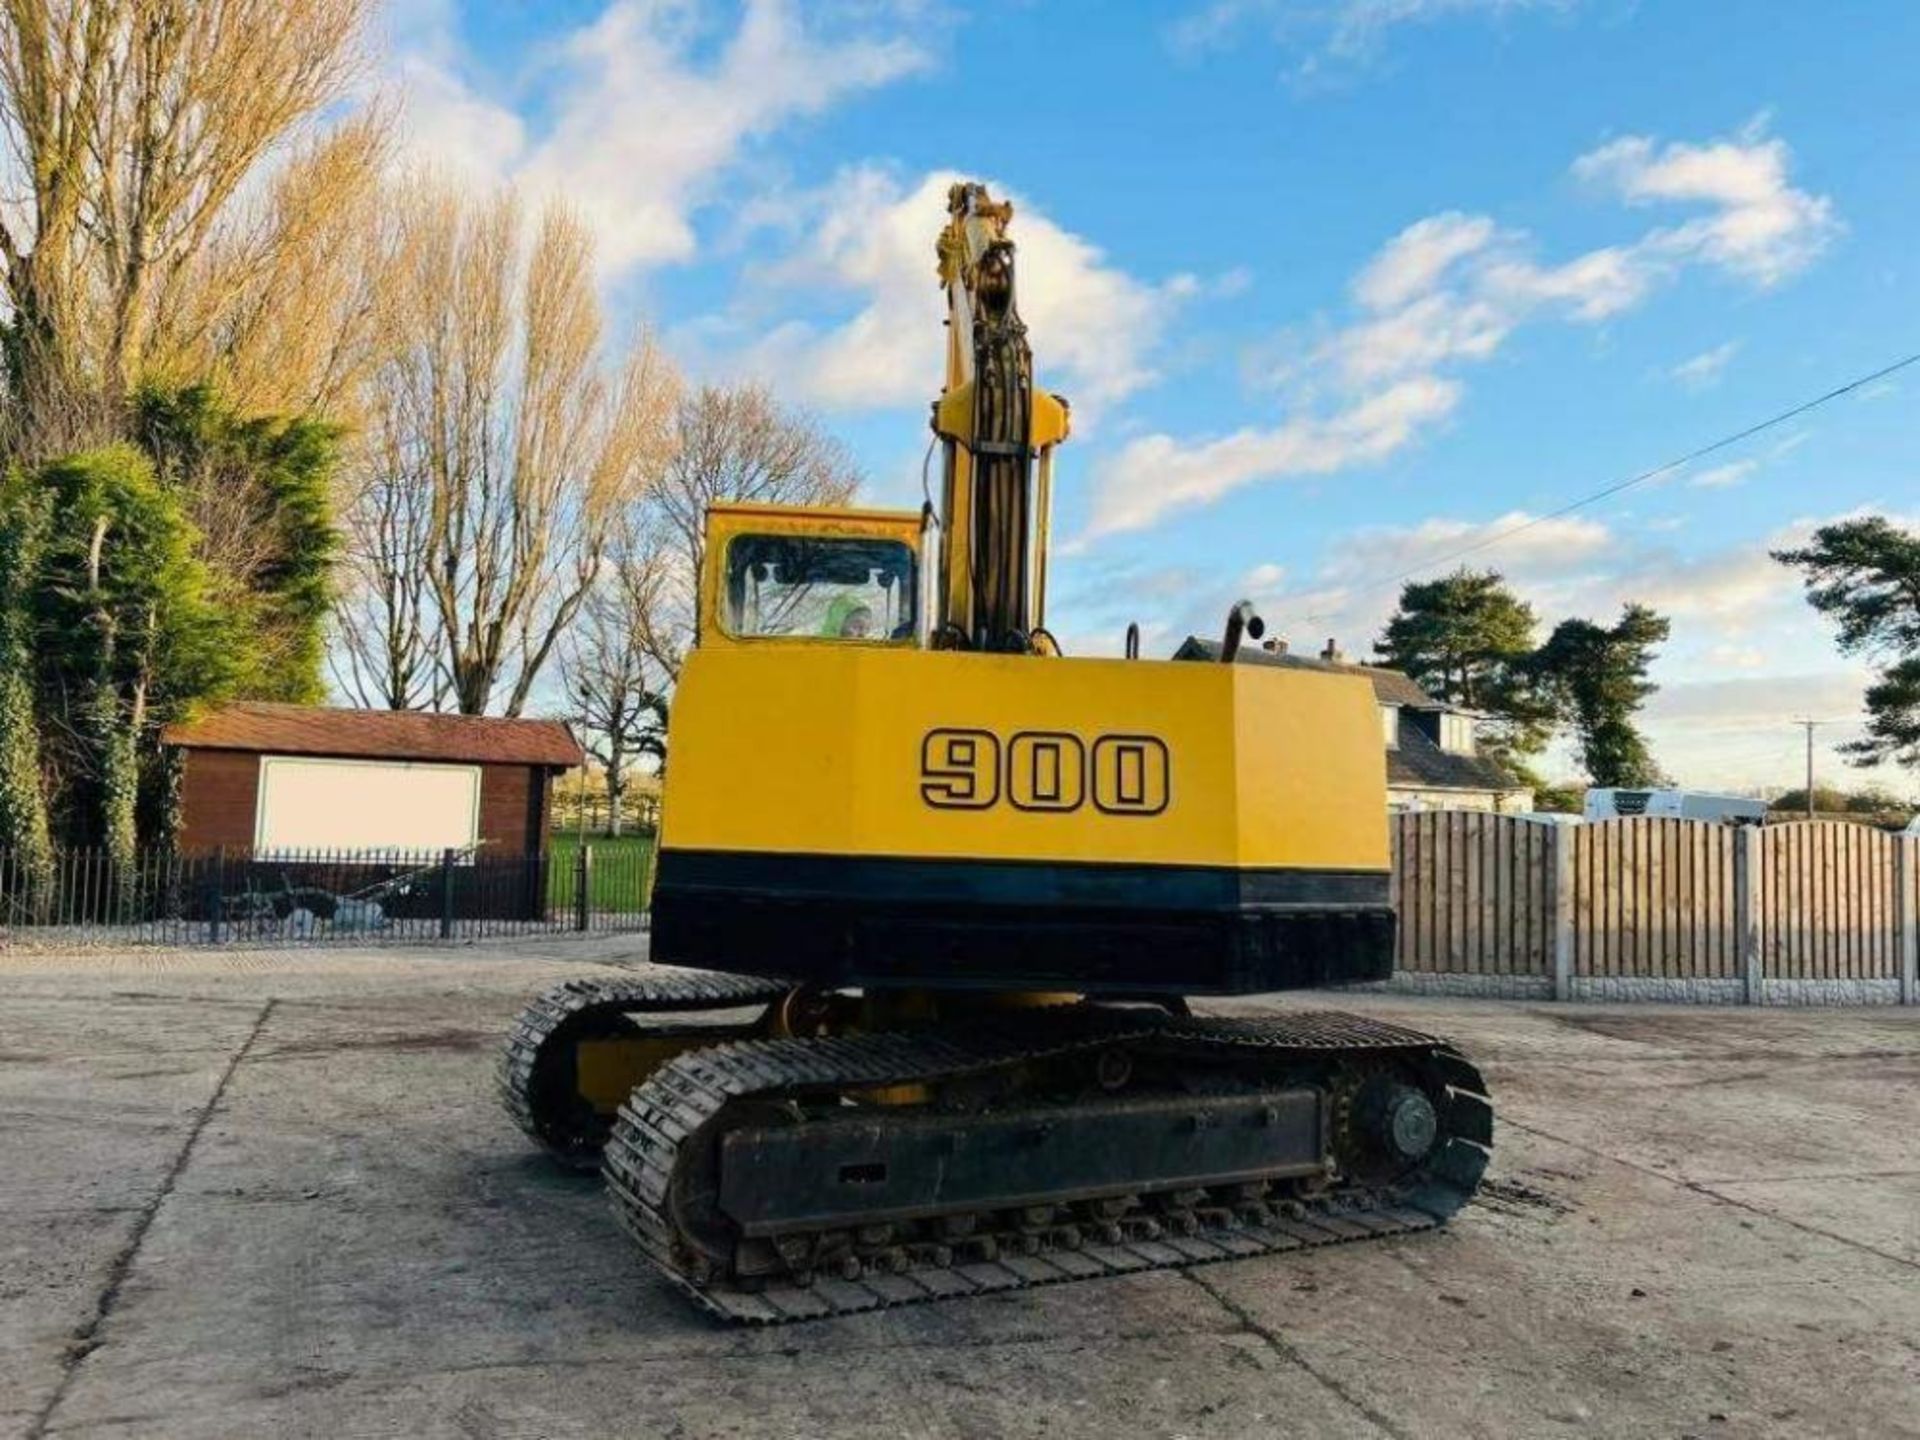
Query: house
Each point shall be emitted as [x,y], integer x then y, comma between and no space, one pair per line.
[269,779]
[1432,752]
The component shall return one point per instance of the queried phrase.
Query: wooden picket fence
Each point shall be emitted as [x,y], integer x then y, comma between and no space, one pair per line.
[1599,909]
[1655,898]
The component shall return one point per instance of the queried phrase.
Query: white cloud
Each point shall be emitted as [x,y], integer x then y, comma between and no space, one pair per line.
[1746,702]
[1761,228]
[1351,592]
[1740,731]
[643,110]
[1590,287]
[1737,657]
[870,235]
[451,128]
[1156,473]
[1418,258]
[1565,565]
[1528,546]
[1698,372]
[1424,333]
[1449,290]
[1728,593]
[1720,477]
[1338,31]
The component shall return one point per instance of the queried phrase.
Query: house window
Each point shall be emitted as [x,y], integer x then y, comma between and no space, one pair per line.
[1390,725]
[1456,733]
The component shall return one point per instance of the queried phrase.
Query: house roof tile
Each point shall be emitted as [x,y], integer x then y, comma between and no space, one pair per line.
[1390,687]
[378,734]
[1417,761]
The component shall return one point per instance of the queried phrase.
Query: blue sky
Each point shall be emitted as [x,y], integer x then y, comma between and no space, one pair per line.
[1336,287]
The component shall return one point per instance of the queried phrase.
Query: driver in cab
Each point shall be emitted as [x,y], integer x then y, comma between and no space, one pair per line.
[848,619]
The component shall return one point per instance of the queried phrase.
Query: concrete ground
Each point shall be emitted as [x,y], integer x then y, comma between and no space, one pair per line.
[272,1194]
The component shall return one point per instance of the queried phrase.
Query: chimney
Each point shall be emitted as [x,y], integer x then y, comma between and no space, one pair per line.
[1332,653]
[1274,645]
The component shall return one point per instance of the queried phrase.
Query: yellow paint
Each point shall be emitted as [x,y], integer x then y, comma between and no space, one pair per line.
[606,1071]
[1049,421]
[818,749]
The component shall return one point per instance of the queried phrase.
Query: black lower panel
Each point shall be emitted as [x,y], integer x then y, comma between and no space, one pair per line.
[950,924]
[890,1165]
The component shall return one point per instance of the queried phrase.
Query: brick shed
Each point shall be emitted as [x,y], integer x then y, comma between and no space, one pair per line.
[277,779]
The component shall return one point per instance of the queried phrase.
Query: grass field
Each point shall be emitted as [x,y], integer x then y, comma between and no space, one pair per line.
[622,869]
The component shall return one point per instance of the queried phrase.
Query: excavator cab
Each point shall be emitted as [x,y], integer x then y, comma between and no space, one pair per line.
[810,575]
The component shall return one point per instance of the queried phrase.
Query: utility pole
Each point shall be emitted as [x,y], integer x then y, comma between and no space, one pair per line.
[1809,725]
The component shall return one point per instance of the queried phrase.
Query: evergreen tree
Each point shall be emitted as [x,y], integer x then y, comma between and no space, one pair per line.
[1866,575]
[259,490]
[24,832]
[1598,676]
[129,634]
[1466,639]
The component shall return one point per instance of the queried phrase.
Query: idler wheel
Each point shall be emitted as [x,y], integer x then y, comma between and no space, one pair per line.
[1400,1121]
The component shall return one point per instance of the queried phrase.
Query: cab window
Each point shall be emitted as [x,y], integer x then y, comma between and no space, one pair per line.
[838,588]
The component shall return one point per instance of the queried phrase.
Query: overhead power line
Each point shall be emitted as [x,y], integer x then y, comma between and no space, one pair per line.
[1607,491]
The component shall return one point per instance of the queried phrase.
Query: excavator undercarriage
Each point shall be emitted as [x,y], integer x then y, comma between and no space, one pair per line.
[778,1176]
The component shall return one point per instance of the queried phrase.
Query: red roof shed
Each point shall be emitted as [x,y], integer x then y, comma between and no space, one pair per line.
[265,777]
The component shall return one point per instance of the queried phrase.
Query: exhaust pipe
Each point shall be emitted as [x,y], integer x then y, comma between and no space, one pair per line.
[1242,623]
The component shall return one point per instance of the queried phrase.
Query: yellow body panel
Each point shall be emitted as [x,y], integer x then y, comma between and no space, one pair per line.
[837,749]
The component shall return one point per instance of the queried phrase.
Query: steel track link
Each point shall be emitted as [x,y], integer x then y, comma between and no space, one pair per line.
[652,1134]
[575,1007]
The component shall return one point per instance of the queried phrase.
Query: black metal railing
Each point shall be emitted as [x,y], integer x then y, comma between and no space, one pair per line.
[170,897]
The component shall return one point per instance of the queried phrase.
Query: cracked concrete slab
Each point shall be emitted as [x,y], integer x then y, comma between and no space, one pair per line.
[1697,1223]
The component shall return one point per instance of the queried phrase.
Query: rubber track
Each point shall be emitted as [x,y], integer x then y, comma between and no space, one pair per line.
[576,1002]
[667,1111]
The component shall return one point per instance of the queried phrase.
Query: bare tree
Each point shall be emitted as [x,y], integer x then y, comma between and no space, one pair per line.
[281,306]
[502,444]
[384,655]
[734,444]
[607,671]
[132,126]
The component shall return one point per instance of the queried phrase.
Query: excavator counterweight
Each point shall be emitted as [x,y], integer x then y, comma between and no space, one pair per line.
[936,897]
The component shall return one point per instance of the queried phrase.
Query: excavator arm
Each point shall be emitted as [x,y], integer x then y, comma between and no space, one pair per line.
[997,432]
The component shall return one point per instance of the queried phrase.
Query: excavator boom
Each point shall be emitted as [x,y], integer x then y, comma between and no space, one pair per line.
[997,433]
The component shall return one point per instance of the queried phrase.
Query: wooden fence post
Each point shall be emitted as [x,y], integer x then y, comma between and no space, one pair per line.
[1560,854]
[1747,843]
[1906,858]
[582,886]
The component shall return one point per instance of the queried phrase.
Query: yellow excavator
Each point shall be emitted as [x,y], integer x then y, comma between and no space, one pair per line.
[935,897]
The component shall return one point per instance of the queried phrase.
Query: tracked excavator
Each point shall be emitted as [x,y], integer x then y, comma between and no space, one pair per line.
[932,899]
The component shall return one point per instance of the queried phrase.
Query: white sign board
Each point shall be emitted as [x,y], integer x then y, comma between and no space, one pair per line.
[308,804]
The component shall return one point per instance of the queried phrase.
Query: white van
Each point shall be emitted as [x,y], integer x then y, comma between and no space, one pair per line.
[1622,804]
